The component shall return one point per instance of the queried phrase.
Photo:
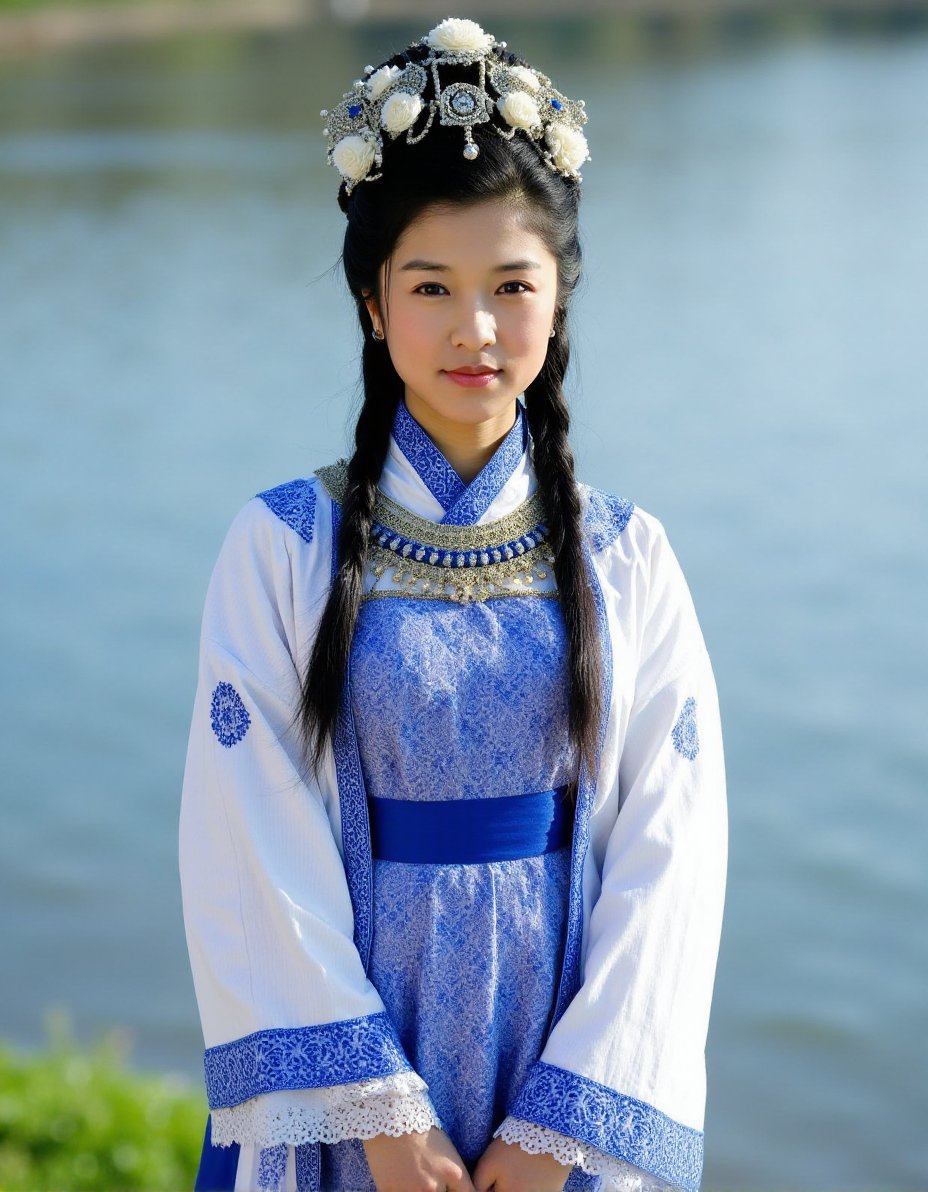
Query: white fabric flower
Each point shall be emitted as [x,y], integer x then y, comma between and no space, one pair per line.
[526,76]
[518,109]
[400,112]
[353,156]
[568,146]
[381,79]
[457,34]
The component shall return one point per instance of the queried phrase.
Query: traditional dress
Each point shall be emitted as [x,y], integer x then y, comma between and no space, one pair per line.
[427,932]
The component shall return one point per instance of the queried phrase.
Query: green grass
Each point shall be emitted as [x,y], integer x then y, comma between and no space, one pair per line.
[76,1118]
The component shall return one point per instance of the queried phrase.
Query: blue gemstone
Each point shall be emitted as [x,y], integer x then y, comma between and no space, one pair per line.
[556,103]
[355,110]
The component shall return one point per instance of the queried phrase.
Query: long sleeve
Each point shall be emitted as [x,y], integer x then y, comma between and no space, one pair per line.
[298,1045]
[623,1071]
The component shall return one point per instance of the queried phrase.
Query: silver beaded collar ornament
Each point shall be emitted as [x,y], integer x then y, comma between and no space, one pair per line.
[390,100]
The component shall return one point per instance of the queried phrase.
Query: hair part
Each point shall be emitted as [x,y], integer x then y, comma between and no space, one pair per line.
[416,179]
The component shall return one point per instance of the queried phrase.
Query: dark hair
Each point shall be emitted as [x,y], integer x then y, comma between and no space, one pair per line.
[434,173]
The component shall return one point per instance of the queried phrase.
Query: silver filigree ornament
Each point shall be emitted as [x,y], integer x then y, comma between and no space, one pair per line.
[391,101]
[411,556]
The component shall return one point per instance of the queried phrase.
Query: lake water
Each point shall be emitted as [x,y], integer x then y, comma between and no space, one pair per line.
[752,353]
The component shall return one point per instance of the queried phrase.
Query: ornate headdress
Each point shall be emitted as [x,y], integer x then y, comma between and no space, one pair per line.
[390,100]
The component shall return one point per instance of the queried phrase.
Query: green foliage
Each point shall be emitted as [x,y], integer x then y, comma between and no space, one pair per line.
[74,1119]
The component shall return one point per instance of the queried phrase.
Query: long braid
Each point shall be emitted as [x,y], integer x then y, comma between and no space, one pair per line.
[549,422]
[324,680]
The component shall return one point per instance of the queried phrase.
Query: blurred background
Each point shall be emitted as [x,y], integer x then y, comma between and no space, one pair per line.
[750,359]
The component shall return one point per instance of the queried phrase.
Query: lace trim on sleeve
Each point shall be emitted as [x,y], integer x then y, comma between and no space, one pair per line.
[392,1105]
[618,1176]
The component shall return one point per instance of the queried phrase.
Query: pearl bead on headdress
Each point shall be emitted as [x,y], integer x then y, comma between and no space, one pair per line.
[389,100]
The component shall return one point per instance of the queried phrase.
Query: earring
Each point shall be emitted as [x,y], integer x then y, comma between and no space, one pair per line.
[377,334]
[552,333]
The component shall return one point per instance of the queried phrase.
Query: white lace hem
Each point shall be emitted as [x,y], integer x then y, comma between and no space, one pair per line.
[392,1105]
[618,1176]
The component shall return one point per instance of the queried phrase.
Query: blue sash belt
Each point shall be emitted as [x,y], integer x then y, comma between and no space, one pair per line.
[469,831]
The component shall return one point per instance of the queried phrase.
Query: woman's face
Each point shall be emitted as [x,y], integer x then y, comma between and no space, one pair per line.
[467,288]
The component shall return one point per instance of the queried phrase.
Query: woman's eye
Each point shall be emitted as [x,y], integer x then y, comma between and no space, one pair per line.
[523,290]
[428,288]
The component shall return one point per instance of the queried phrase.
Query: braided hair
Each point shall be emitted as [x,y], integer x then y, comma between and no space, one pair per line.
[416,179]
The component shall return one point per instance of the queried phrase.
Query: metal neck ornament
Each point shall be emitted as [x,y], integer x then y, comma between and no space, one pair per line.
[392,100]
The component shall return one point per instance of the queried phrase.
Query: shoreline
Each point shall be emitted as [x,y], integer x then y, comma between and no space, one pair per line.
[53,26]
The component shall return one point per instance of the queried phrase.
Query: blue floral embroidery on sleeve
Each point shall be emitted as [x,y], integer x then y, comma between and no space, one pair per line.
[685,732]
[295,505]
[228,715]
[605,517]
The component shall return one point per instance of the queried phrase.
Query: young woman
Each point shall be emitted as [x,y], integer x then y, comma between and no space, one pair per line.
[453,828]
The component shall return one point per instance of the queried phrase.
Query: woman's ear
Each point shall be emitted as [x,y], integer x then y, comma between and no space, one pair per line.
[373,309]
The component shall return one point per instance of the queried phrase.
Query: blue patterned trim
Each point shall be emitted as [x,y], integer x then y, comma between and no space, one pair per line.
[437,556]
[605,517]
[272,1167]
[356,832]
[295,505]
[581,1181]
[308,1167]
[685,733]
[302,1057]
[228,715]
[570,970]
[352,799]
[445,485]
[486,486]
[619,1125]
[336,522]
[463,506]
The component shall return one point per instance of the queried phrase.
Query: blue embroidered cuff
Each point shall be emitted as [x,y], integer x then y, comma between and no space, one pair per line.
[619,1125]
[302,1057]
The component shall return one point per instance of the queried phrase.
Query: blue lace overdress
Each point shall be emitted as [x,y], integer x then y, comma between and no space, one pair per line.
[463,702]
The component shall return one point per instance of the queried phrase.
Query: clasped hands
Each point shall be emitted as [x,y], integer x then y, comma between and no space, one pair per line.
[430,1163]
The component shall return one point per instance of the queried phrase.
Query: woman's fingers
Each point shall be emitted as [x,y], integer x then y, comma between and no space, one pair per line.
[505,1167]
[484,1172]
[417,1163]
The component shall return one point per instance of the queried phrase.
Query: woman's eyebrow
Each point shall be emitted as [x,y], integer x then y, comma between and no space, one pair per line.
[419,265]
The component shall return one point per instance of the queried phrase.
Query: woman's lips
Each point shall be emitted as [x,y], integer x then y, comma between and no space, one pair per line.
[473,380]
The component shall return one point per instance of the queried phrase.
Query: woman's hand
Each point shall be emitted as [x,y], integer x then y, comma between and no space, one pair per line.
[505,1167]
[416,1163]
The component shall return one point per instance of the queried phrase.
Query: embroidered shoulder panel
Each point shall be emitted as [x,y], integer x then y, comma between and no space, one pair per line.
[605,517]
[295,505]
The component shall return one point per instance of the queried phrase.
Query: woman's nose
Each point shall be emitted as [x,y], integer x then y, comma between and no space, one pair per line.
[474,330]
